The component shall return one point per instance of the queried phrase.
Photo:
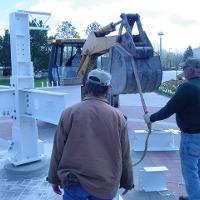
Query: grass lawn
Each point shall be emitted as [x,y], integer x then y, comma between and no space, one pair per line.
[4,81]
[38,82]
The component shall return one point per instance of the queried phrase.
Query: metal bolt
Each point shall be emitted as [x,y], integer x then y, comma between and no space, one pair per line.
[11,146]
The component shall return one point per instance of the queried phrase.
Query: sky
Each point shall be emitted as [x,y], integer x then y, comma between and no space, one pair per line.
[178,20]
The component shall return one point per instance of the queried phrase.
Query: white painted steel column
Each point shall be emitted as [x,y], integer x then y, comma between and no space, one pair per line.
[25,147]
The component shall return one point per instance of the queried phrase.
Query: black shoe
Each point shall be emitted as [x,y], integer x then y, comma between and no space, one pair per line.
[183,198]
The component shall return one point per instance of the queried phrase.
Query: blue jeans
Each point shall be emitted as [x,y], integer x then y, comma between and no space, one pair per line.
[76,192]
[190,163]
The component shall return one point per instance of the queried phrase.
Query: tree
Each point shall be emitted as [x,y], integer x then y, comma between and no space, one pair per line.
[5,55]
[39,46]
[67,30]
[94,26]
[1,46]
[188,53]
[171,59]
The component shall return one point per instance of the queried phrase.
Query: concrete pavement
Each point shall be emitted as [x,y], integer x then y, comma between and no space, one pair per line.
[34,186]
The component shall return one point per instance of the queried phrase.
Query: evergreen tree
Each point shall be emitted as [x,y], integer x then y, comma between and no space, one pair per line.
[188,53]
[1,46]
[5,55]
[39,47]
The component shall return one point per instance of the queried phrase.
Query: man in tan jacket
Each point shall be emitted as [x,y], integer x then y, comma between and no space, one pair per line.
[91,152]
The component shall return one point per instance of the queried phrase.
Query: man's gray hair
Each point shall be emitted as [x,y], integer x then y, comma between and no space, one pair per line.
[191,62]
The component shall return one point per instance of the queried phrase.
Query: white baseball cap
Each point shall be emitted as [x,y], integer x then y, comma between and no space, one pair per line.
[99,77]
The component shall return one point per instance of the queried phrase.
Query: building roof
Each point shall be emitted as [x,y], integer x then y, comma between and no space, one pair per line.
[196,52]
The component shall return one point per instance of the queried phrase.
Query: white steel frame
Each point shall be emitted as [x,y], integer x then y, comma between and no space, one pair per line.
[22,102]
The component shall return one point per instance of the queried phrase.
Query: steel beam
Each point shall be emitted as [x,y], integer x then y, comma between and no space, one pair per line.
[162,140]
[48,105]
[6,101]
[153,179]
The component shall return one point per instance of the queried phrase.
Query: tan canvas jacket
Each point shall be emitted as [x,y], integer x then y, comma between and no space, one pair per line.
[91,141]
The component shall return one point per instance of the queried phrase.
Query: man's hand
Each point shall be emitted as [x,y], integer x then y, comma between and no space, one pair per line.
[147,118]
[56,189]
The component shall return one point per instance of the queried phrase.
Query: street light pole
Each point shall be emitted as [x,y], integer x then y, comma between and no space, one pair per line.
[160,34]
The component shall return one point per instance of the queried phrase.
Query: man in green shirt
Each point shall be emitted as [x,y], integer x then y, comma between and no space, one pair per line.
[186,105]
